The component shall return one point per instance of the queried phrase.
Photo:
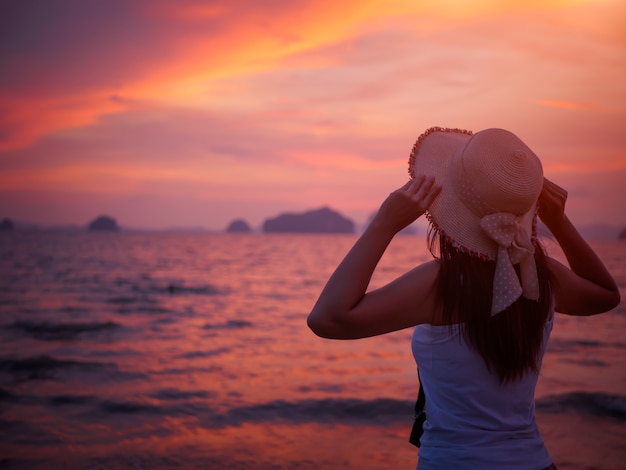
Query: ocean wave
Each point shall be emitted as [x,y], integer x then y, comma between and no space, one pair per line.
[228,325]
[328,388]
[174,402]
[7,399]
[128,305]
[50,368]
[565,345]
[71,399]
[72,309]
[27,434]
[185,371]
[149,309]
[7,396]
[203,354]
[6,301]
[62,331]
[587,361]
[129,407]
[174,394]
[351,411]
[130,299]
[593,403]
[205,289]
[145,284]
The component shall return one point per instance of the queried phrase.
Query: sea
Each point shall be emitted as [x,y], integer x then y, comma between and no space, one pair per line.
[136,350]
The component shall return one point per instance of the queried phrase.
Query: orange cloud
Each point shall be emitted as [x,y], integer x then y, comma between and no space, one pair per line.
[573,105]
[201,43]
[28,119]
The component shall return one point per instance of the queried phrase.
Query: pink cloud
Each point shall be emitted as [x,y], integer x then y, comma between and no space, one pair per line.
[573,105]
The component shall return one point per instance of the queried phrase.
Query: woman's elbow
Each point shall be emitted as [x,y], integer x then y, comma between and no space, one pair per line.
[318,326]
[315,326]
[608,302]
[325,325]
[614,300]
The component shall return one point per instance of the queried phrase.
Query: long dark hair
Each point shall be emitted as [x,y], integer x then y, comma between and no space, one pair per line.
[509,342]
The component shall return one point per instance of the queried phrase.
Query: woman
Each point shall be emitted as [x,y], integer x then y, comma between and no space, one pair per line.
[483,308]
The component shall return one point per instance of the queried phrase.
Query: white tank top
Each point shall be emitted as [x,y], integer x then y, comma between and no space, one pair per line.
[473,422]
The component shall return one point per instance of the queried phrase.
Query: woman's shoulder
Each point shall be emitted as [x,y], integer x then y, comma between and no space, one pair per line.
[427,271]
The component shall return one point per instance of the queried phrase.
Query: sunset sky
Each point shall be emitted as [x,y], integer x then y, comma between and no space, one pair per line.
[194,113]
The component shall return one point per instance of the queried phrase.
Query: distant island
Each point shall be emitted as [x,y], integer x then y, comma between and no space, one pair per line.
[238,226]
[104,223]
[323,220]
[7,225]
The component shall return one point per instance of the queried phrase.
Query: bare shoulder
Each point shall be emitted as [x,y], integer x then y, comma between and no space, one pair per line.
[425,272]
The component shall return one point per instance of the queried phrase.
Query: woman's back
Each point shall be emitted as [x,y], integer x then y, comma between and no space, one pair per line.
[472,420]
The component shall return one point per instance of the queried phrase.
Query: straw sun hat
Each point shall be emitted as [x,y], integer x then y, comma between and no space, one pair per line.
[487,206]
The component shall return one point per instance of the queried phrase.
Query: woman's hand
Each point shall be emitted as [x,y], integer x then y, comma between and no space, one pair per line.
[406,204]
[586,287]
[552,203]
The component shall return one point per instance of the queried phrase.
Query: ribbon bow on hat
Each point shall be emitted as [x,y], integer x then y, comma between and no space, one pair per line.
[514,247]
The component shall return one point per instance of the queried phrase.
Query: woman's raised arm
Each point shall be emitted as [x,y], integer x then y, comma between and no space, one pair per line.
[344,310]
[586,288]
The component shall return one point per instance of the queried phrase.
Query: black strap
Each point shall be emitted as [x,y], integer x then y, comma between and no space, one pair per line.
[420,416]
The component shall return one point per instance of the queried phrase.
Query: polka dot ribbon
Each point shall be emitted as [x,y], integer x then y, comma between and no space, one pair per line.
[514,247]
